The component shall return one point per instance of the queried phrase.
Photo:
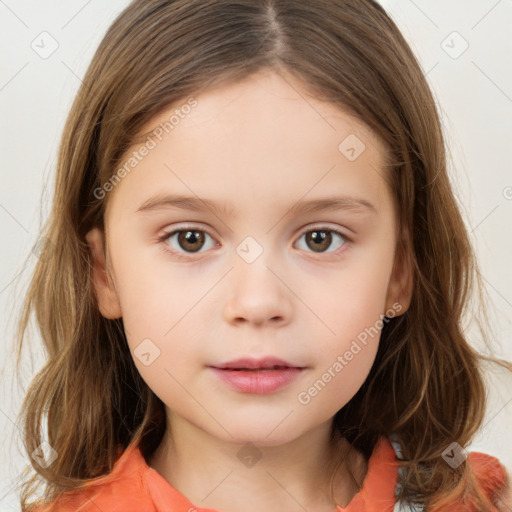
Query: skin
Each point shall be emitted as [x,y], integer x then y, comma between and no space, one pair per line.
[259,145]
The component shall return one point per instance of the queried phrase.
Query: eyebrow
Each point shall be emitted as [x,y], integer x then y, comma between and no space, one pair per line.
[166,201]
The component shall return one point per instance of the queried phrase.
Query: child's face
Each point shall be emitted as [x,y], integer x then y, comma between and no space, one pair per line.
[256,286]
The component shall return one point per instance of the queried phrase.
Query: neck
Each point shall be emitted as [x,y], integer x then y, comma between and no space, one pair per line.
[219,475]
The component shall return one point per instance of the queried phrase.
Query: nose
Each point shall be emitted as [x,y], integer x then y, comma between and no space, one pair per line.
[257,295]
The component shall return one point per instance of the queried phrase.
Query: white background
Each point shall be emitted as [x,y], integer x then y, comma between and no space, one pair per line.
[474,91]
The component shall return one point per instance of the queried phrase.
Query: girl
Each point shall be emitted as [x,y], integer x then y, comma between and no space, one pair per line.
[308,353]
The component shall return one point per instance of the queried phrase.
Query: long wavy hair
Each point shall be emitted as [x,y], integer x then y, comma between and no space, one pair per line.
[426,385]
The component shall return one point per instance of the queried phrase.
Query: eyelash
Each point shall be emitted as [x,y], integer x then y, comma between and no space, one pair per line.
[183,256]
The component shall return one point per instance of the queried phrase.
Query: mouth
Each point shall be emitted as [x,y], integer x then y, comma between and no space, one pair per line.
[257,376]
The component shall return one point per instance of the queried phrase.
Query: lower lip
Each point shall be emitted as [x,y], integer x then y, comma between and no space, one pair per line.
[258,382]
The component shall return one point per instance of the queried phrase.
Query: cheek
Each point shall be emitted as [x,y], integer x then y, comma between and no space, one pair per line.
[350,301]
[343,363]
[352,310]
[154,295]
[162,311]
[331,389]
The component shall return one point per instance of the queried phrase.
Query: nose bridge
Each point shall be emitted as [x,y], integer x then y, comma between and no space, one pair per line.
[256,294]
[252,268]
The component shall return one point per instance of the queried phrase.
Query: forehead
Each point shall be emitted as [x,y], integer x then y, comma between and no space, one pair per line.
[256,107]
[264,134]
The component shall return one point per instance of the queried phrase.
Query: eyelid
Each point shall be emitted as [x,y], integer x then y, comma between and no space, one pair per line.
[184,227]
[325,227]
[306,229]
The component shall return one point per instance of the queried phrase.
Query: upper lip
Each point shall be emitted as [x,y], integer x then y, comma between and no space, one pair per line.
[251,363]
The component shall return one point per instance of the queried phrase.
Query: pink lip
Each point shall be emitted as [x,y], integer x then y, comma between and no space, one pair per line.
[258,382]
[257,376]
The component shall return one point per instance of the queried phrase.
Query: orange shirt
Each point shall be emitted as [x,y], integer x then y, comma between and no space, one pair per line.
[133,486]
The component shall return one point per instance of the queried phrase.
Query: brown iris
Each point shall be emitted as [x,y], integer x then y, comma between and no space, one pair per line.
[191,241]
[321,240]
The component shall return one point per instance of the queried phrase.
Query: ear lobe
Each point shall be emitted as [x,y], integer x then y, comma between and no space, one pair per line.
[401,283]
[106,294]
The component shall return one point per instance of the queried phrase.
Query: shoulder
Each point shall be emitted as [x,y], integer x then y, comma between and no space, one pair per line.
[492,478]
[488,474]
[504,500]
[123,489]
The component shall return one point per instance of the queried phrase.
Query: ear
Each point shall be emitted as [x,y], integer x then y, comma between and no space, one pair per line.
[400,286]
[106,294]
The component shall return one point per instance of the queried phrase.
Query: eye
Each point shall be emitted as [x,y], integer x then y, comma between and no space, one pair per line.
[190,240]
[187,239]
[320,238]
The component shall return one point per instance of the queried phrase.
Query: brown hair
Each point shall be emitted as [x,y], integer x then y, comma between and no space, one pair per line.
[426,384]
